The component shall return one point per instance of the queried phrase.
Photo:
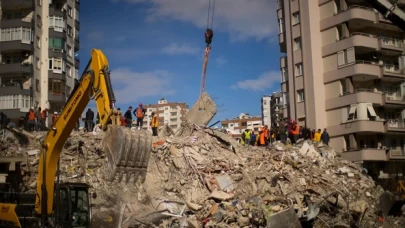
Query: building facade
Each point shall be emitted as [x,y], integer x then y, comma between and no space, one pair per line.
[344,70]
[38,44]
[170,113]
[272,106]
[236,126]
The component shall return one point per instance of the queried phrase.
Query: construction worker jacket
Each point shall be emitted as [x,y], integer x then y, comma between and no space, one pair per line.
[154,122]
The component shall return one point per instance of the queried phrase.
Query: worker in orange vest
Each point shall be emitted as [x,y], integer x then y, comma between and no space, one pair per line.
[295,132]
[44,114]
[262,137]
[31,119]
[139,113]
[266,135]
[154,123]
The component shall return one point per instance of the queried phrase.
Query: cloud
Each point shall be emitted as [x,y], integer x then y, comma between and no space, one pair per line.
[131,86]
[263,82]
[243,19]
[176,49]
[221,60]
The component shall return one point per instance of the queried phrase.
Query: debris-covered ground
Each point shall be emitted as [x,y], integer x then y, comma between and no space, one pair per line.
[206,179]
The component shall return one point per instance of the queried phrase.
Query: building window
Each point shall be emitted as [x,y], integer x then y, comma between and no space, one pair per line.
[284,74]
[57,23]
[69,51]
[76,15]
[264,102]
[38,42]
[297,43]
[38,63]
[68,70]
[76,73]
[56,64]
[55,86]
[280,26]
[76,34]
[298,69]
[301,95]
[37,85]
[69,30]
[166,108]
[352,112]
[70,11]
[39,21]
[346,57]
[296,18]
[20,33]
[56,43]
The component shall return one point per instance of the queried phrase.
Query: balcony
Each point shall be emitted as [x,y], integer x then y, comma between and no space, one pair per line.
[58,76]
[393,71]
[359,96]
[356,126]
[17,4]
[282,43]
[56,97]
[391,44]
[15,67]
[77,24]
[77,44]
[394,99]
[15,45]
[57,12]
[13,90]
[395,125]
[360,13]
[359,67]
[13,23]
[365,154]
[354,40]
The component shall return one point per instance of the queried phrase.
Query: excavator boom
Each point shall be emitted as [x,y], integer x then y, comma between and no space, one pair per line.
[127,151]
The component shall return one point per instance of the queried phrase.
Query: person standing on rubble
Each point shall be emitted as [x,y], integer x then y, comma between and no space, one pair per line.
[31,119]
[44,114]
[325,137]
[38,119]
[253,138]
[89,120]
[139,113]
[317,136]
[295,132]
[154,123]
[262,138]
[247,136]
[128,117]
[281,131]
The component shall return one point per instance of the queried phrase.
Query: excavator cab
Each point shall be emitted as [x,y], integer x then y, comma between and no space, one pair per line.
[72,206]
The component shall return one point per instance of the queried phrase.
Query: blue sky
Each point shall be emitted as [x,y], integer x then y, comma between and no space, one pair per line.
[155,49]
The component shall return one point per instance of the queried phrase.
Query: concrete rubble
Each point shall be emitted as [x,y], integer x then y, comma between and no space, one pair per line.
[207,179]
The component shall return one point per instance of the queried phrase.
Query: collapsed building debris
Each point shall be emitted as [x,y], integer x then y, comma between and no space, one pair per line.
[207,179]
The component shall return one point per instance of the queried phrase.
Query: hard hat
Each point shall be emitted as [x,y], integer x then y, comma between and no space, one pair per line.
[55,113]
[140,105]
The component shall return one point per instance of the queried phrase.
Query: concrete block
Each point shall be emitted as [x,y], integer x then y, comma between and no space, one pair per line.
[202,111]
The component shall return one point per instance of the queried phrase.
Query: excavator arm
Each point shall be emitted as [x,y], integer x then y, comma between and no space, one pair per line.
[127,151]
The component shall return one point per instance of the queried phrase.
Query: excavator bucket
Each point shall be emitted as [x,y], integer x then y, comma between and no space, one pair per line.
[127,153]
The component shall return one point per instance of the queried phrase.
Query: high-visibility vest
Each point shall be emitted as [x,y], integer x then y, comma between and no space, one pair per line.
[247,134]
[154,122]
[296,131]
[31,116]
[139,113]
[43,114]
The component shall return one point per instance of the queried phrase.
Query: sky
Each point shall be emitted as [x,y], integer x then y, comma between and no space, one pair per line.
[155,49]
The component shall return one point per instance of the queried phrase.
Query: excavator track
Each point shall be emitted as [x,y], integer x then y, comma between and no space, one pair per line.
[127,153]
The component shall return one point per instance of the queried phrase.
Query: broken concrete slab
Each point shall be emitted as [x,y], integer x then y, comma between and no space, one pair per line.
[203,110]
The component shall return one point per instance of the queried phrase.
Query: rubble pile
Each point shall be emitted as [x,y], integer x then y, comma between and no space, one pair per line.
[207,179]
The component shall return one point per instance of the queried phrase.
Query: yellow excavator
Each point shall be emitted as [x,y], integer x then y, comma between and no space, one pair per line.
[67,205]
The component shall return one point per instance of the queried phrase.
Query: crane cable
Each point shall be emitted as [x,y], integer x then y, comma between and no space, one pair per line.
[207,48]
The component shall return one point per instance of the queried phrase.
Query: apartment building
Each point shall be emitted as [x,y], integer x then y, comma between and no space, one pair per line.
[38,44]
[271,106]
[236,126]
[170,113]
[344,70]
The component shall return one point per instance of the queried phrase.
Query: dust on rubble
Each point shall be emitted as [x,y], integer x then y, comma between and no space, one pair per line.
[206,179]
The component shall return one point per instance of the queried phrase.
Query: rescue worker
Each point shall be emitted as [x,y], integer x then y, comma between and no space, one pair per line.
[209,34]
[139,113]
[262,139]
[281,131]
[253,138]
[317,136]
[325,137]
[54,117]
[247,137]
[89,120]
[31,119]
[295,132]
[38,119]
[266,135]
[44,114]
[128,117]
[154,123]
